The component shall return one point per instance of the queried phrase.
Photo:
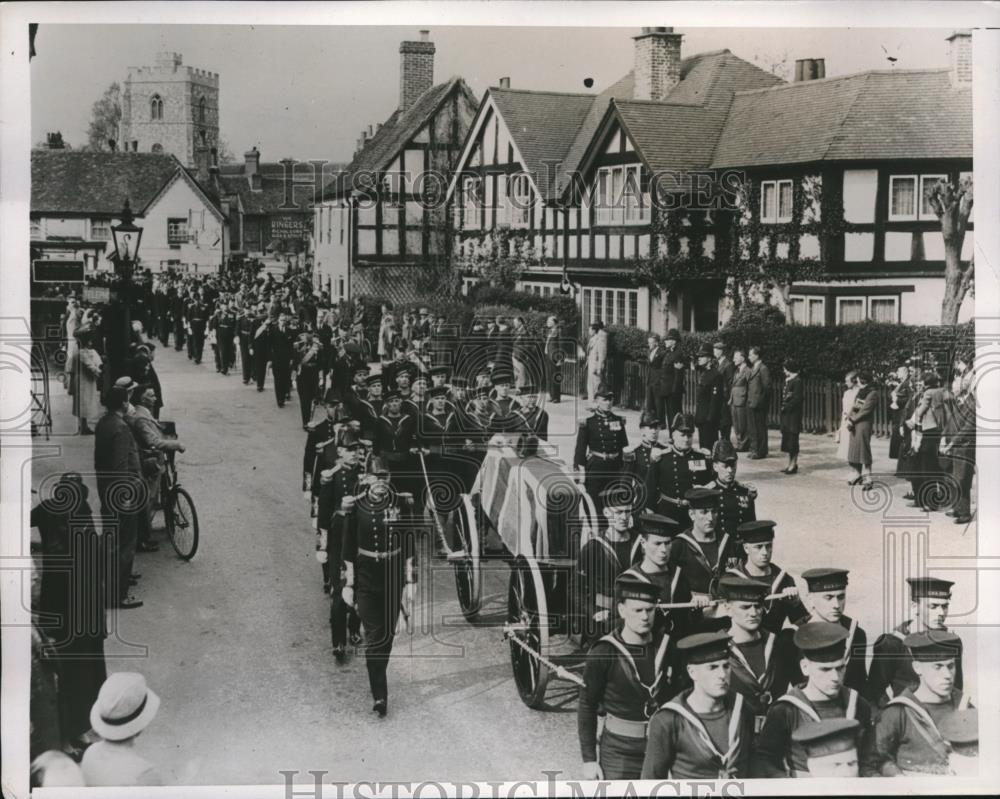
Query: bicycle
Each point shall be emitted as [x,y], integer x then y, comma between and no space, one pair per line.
[179,513]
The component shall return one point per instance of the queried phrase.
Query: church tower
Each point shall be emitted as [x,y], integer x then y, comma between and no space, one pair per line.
[171,108]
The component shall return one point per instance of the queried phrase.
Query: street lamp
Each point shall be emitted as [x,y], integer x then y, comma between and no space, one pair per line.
[126,236]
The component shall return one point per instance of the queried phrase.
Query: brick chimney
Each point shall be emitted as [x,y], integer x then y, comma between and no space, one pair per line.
[810,69]
[416,69]
[251,168]
[505,83]
[960,46]
[657,63]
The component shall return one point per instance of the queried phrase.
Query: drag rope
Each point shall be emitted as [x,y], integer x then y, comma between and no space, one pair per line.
[510,633]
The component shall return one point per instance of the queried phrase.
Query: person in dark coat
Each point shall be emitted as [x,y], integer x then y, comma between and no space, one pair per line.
[708,399]
[961,447]
[656,399]
[72,599]
[791,416]
[259,346]
[902,390]
[738,401]
[674,367]
[928,425]
[758,402]
[281,348]
[859,425]
[140,369]
[555,354]
[727,370]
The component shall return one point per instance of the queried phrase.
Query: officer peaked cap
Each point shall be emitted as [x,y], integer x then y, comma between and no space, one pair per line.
[606,394]
[349,440]
[825,579]
[705,647]
[828,737]
[921,587]
[821,641]
[933,646]
[756,532]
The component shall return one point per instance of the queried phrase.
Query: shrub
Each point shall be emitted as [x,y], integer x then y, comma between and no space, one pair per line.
[554,304]
[755,314]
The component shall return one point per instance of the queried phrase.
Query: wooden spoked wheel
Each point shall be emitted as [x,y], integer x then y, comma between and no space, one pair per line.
[527,617]
[466,559]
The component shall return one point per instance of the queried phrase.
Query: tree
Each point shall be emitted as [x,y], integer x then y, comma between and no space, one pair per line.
[952,202]
[225,152]
[105,117]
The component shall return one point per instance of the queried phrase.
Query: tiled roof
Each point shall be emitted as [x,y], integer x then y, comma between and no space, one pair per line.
[74,181]
[693,133]
[869,116]
[543,125]
[392,137]
[272,194]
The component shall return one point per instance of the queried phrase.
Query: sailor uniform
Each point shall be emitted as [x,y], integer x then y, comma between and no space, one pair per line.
[908,738]
[639,458]
[601,561]
[702,562]
[776,611]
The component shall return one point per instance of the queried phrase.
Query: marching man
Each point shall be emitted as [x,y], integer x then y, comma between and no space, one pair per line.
[698,551]
[676,471]
[600,442]
[827,597]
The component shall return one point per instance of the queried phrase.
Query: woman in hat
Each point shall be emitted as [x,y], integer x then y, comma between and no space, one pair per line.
[843,436]
[124,708]
[791,415]
[928,425]
[859,426]
[86,369]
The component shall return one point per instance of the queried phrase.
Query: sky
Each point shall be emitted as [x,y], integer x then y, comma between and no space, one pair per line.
[306,92]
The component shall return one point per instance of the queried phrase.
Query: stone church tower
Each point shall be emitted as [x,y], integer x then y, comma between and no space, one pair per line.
[171,108]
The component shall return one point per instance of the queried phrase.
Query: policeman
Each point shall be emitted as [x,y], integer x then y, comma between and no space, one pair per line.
[676,471]
[395,437]
[639,458]
[626,676]
[831,747]
[826,598]
[700,554]
[892,667]
[706,731]
[738,500]
[823,648]
[530,417]
[380,561]
[762,662]
[605,557]
[600,442]
[757,540]
[908,734]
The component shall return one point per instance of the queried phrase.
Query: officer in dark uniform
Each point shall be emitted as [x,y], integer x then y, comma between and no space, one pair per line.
[757,540]
[708,399]
[892,664]
[224,332]
[320,432]
[827,597]
[395,437]
[197,316]
[280,347]
[260,344]
[531,418]
[738,500]
[701,553]
[600,443]
[245,328]
[763,664]
[676,471]
[639,458]
[823,695]
[380,562]
[307,353]
[626,675]
[178,311]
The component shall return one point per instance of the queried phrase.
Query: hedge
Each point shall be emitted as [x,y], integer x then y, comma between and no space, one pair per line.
[827,352]
[554,304]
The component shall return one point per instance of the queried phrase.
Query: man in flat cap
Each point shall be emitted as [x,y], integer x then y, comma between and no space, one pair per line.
[892,666]
[762,662]
[826,599]
[757,540]
[677,470]
[823,696]
[908,734]
[699,552]
[831,747]
[626,674]
[705,732]
[738,500]
[600,443]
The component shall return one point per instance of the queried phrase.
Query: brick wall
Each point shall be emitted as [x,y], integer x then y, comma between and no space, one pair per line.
[657,65]
[416,71]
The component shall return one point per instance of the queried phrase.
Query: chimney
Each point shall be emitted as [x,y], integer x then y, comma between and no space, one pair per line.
[657,63]
[251,162]
[810,69]
[960,46]
[416,69]
[504,83]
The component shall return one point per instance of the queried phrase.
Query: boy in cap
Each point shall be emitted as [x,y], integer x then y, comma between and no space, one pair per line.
[706,731]
[600,443]
[762,662]
[605,557]
[738,500]
[757,540]
[892,666]
[531,418]
[708,399]
[826,598]
[699,552]
[823,696]
[908,734]
[676,471]
[831,747]
[639,458]
[627,675]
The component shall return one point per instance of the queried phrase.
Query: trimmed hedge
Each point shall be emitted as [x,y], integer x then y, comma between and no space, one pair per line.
[554,304]
[827,352]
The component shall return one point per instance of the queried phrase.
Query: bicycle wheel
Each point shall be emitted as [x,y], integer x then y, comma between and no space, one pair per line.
[182,523]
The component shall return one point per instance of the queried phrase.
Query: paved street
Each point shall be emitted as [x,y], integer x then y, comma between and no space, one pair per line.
[237,642]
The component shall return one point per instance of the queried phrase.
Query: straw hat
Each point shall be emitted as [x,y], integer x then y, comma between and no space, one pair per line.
[124,706]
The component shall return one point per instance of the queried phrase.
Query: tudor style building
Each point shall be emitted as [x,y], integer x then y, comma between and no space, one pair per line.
[380,224]
[563,181]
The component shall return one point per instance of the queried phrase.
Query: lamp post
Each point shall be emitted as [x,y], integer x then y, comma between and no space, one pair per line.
[127,236]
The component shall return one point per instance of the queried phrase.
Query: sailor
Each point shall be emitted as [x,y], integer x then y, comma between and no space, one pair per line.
[823,647]
[757,541]
[605,557]
[908,734]
[639,458]
[676,471]
[394,440]
[762,662]
[738,500]
[706,731]
[458,393]
[531,418]
[699,552]
[369,409]
[831,747]
[626,676]
[504,407]
[380,560]
[892,666]
[826,599]
[600,442]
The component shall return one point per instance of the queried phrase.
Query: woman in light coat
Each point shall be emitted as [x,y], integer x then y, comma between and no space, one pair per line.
[73,314]
[843,436]
[86,370]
